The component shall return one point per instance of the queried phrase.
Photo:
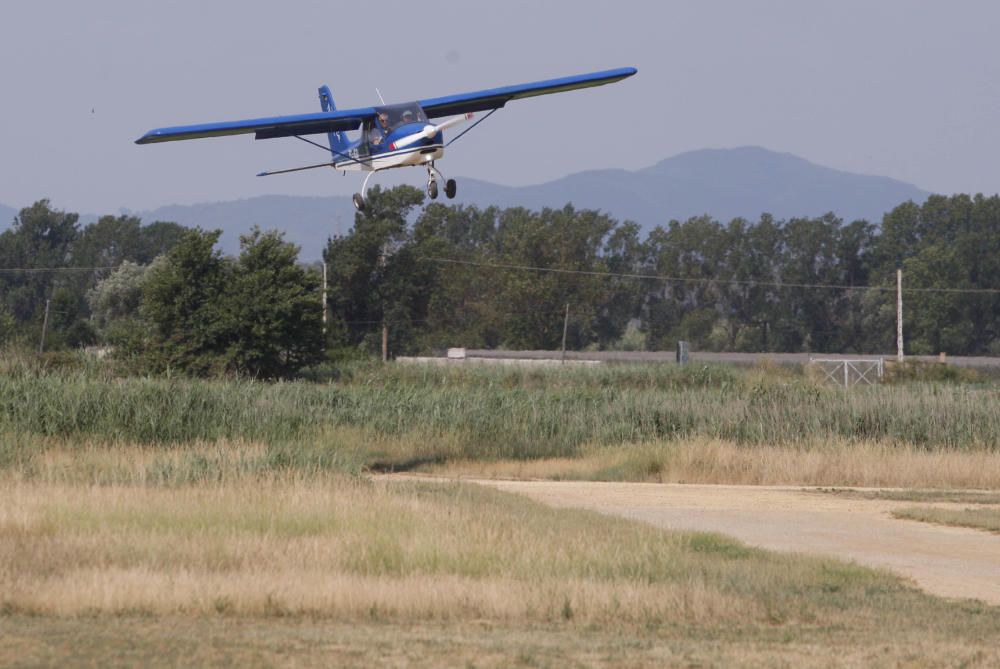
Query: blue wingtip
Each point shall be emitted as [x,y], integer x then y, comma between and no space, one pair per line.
[262,174]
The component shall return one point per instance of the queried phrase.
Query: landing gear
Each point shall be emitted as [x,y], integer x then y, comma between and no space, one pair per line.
[433,174]
[359,198]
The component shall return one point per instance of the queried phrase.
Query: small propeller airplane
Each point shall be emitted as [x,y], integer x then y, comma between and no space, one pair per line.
[399,135]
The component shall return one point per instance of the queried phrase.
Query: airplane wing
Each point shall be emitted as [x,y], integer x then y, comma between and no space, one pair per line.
[351,119]
[494,98]
[265,128]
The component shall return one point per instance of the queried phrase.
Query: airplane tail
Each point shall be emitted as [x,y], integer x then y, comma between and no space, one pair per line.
[338,140]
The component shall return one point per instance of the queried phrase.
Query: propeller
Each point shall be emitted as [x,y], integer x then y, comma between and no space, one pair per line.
[429,131]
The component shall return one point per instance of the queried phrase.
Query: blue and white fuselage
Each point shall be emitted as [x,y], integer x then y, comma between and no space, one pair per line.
[396,136]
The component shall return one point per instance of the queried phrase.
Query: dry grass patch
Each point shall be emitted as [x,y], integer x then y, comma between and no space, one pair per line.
[86,534]
[304,642]
[837,463]
[352,549]
[348,548]
[917,495]
[981,519]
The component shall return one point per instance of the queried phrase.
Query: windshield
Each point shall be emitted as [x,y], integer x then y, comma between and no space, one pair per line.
[397,115]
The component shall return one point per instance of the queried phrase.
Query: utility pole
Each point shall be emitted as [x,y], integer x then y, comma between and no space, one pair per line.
[385,327]
[565,328]
[385,341]
[899,315]
[45,325]
[324,302]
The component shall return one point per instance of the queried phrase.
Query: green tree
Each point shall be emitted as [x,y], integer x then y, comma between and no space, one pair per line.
[115,308]
[41,238]
[274,309]
[184,301]
[375,276]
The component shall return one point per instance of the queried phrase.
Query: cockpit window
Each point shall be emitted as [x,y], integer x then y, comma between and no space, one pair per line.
[397,115]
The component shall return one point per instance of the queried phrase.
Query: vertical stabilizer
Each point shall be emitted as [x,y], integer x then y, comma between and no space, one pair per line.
[338,140]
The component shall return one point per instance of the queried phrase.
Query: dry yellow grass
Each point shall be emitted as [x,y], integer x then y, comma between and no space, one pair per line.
[341,548]
[981,518]
[844,463]
[410,574]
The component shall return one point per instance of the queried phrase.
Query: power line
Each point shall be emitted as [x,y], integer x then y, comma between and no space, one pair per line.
[32,270]
[706,281]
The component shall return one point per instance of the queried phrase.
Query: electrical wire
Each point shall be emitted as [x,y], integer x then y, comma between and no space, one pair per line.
[31,270]
[705,281]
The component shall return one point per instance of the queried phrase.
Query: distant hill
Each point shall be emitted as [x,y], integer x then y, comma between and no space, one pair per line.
[723,183]
[306,221]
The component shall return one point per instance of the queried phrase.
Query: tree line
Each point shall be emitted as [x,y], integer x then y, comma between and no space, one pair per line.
[433,276]
[487,278]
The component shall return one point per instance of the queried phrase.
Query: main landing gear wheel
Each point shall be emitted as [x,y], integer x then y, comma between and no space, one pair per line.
[450,188]
[432,189]
[359,202]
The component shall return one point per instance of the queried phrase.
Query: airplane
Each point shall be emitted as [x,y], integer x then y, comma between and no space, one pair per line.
[397,135]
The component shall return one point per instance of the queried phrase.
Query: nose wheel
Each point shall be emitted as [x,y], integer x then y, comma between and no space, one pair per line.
[433,174]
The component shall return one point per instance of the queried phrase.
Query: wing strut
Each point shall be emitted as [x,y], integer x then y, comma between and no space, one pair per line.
[295,169]
[312,167]
[333,151]
[456,137]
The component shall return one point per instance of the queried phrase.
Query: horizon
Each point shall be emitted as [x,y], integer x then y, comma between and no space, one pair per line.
[397,177]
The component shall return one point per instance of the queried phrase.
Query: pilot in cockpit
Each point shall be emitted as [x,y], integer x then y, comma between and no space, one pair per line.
[379,129]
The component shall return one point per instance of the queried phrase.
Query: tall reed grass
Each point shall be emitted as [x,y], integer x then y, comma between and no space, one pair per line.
[504,413]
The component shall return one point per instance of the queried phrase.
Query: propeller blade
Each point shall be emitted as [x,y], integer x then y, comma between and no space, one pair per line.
[429,131]
[294,169]
[403,142]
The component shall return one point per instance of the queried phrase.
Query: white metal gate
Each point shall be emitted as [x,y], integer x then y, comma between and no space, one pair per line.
[848,373]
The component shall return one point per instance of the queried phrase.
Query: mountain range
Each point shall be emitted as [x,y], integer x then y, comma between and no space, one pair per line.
[723,183]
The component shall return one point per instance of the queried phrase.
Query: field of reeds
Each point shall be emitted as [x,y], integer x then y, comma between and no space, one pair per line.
[651,422]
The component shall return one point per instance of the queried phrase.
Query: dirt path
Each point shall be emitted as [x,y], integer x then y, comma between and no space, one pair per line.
[947,561]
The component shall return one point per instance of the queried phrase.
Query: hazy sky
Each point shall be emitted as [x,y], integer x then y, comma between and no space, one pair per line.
[906,89]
